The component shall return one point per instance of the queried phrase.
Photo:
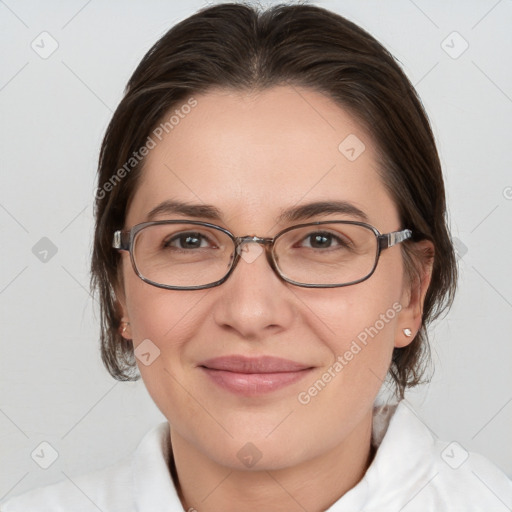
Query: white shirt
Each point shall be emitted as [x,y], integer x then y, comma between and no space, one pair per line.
[411,471]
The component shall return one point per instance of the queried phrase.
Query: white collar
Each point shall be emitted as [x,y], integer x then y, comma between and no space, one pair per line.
[152,482]
[403,441]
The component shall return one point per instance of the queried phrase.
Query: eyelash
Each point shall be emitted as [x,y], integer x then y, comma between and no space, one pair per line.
[181,236]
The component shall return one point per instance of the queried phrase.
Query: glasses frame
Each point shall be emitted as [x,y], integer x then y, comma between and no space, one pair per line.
[123,241]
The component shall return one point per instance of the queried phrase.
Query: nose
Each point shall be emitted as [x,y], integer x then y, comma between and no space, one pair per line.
[254,301]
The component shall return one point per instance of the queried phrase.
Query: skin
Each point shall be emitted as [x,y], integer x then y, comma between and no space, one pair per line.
[252,155]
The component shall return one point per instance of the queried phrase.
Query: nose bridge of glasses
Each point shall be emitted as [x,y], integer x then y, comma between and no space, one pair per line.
[249,255]
[242,242]
[253,239]
[242,245]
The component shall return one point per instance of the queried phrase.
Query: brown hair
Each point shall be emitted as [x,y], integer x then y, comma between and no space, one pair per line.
[239,47]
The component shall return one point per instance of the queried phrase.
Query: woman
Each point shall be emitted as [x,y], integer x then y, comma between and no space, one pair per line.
[270,248]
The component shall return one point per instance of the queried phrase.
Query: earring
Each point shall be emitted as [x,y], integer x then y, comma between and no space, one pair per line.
[126,324]
[407,332]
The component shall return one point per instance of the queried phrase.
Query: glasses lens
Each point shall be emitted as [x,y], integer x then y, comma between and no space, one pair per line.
[327,253]
[182,254]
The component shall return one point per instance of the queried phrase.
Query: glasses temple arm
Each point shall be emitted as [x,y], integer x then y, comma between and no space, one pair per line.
[119,241]
[394,238]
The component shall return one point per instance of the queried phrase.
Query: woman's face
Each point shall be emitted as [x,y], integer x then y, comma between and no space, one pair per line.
[252,157]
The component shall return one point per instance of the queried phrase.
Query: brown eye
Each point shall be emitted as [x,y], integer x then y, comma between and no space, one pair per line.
[187,241]
[323,240]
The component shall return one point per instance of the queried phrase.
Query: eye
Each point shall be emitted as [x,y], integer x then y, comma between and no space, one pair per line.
[324,240]
[188,240]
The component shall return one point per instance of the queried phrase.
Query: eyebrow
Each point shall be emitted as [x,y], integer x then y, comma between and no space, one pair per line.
[293,214]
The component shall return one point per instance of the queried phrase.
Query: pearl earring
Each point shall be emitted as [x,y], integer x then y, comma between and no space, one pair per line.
[126,324]
[407,332]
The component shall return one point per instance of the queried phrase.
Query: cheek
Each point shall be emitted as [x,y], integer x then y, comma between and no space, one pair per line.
[362,312]
[162,321]
[357,324]
[156,313]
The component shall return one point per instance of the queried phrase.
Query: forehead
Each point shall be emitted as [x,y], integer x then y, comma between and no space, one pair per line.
[252,155]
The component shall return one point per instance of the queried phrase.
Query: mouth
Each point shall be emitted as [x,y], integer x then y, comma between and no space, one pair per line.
[251,376]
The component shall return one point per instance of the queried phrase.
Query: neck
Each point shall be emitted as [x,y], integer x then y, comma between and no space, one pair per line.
[313,485]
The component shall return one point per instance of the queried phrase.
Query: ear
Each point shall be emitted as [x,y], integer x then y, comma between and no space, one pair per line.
[413,294]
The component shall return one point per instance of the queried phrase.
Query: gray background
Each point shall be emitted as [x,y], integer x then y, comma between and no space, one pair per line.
[54,112]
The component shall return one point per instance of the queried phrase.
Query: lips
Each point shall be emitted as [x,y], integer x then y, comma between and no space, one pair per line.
[251,376]
[262,364]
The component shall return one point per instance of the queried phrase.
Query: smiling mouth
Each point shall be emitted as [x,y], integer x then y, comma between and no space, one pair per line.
[253,376]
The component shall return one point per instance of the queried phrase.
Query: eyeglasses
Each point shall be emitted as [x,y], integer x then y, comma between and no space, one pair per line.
[192,255]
